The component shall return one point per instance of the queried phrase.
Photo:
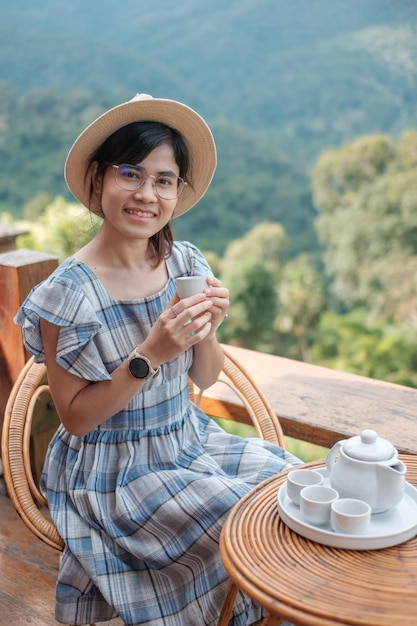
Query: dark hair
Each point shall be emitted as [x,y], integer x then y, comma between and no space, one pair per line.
[132,144]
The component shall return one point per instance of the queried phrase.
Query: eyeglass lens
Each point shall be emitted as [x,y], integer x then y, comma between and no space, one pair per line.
[167,186]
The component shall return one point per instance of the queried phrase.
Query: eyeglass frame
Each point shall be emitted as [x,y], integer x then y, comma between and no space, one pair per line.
[142,170]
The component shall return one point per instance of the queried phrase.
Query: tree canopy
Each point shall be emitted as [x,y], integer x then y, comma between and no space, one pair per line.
[366,196]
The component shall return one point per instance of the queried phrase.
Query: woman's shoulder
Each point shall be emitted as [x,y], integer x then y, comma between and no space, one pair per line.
[71,269]
[184,248]
[68,290]
[186,258]
[71,275]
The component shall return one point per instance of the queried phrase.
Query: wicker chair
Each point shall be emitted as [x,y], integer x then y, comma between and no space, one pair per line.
[30,394]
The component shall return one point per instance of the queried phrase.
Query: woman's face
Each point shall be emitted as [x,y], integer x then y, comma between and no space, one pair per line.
[140,213]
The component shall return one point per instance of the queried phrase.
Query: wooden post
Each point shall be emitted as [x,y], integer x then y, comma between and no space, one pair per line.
[8,235]
[20,270]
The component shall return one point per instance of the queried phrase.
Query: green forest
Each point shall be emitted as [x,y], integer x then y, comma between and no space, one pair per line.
[255,178]
[349,303]
[311,217]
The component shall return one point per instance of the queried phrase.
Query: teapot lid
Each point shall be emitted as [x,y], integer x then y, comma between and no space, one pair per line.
[369,447]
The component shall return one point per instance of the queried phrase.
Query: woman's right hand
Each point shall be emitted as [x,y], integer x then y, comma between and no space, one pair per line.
[183,323]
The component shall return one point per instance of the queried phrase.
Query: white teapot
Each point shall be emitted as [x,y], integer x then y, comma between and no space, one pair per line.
[367,468]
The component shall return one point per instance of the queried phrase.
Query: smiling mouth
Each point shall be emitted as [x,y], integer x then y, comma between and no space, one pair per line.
[140,213]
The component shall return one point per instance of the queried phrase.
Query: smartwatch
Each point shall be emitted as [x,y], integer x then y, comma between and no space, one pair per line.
[140,366]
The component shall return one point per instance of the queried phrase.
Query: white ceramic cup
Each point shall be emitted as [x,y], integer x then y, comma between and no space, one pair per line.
[315,503]
[297,479]
[348,515]
[190,285]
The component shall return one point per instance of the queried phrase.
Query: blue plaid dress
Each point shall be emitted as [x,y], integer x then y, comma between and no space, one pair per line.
[140,500]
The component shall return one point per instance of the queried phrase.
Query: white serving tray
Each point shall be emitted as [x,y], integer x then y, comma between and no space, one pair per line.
[386,529]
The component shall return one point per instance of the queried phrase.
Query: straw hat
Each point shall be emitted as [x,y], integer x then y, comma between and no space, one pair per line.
[143,107]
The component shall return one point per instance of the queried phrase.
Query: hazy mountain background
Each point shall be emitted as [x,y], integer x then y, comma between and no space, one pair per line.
[278,80]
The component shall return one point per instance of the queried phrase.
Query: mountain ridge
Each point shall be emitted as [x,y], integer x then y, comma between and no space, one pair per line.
[299,76]
[294,68]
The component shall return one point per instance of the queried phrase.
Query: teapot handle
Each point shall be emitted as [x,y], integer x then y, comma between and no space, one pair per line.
[330,459]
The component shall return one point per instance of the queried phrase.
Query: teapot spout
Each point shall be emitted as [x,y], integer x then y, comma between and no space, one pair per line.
[391,471]
[391,484]
[399,467]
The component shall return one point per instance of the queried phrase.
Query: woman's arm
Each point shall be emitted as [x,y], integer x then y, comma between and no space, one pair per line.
[82,405]
[207,364]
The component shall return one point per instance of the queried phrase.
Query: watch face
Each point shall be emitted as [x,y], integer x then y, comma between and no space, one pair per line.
[139,368]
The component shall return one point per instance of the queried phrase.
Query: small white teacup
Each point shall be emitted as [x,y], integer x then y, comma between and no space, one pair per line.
[315,503]
[190,285]
[348,515]
[297,479]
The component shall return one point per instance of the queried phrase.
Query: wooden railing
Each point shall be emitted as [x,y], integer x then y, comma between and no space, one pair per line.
[320,405]
[315,404]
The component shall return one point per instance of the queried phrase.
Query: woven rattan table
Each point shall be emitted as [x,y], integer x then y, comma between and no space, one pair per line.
[310,584]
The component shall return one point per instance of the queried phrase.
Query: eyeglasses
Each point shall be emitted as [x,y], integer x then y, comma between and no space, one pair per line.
[167,186]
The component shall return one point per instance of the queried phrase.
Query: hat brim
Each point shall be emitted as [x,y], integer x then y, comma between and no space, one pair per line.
[193,128]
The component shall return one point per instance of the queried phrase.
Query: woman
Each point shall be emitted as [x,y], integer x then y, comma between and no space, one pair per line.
[138,479]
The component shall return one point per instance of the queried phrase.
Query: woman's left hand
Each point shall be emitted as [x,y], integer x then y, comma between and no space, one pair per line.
[219,295]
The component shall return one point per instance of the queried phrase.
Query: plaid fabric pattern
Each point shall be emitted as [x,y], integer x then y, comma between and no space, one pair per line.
[140,500]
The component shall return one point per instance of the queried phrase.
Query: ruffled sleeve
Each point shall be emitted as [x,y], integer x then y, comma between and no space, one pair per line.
[61,302]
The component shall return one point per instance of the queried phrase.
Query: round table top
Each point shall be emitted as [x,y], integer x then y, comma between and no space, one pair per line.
[312,584]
